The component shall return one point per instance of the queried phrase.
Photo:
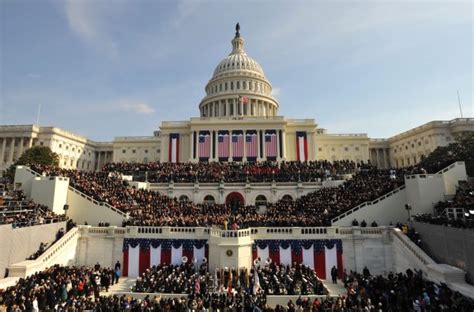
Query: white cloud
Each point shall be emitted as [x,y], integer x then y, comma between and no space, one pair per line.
[276,91]
[135,107]
[86,21]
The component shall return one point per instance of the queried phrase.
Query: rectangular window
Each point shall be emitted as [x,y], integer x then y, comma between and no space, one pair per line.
[232,85]
[226,86]
[220,87]
[231,109]
[238,84]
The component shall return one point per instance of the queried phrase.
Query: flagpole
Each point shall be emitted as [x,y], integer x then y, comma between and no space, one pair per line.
[459,102]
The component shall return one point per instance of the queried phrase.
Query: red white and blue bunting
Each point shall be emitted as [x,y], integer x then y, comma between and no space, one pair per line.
[140,254]
[320,255]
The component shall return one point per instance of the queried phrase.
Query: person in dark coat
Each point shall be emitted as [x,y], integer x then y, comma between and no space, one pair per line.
[334,274]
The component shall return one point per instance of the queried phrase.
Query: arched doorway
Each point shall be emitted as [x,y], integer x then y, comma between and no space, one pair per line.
[287,198]
[261,200]
[234,200]
[183,198]
[209,200]
[261,204]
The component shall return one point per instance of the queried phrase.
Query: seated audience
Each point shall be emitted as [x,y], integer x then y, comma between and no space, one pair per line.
[17,210]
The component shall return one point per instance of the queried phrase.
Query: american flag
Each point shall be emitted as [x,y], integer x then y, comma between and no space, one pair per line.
[244,99]
[223,145]
[204,144]
[251,144]
[237,145]
[271,144]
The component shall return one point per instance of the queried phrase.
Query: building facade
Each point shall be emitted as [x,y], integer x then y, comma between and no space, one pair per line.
[238,121]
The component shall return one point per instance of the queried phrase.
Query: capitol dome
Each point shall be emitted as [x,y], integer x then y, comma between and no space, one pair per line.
[238,87]
[238,61]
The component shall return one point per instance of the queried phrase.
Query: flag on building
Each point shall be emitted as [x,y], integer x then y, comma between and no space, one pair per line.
[251,146]
[243,99]
[301,146]
[321,255]
[204,145]
[237,145]
[271,144]
[174,148]
[223,145]
[142,254]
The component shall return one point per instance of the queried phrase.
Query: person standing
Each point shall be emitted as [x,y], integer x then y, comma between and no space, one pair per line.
[334,274]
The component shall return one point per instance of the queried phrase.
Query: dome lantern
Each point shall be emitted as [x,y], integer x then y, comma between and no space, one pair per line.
[237,42]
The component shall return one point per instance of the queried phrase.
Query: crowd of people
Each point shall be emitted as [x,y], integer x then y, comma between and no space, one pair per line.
[17,210]
[79,288]
[289,171]
[149,208]
[58,288]
[465,223]
[273,279]
[400,292]
[463,199]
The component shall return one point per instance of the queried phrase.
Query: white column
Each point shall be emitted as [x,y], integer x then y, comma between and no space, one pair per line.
[2,154]
[98,161]
[12,147]
[30,142]
[377,158]
[197,146]
[21,146]
[191,145]
[283,141]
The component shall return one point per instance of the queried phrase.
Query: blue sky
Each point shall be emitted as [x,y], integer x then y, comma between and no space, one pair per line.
[105,68]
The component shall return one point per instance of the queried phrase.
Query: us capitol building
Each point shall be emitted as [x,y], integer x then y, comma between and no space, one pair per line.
[238,121]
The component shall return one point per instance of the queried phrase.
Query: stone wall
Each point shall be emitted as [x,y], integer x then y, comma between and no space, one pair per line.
[449,245]
[18,244]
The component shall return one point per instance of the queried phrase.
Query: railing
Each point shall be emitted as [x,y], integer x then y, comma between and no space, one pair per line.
[36,174]
[312,231]
[254,233]
[230,233]
[98,203]
[415,250]
[450,167]
[27,267]
[53,250]
[375,201]
[134,138]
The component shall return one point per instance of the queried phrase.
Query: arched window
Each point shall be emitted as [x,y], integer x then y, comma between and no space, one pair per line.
[208,200]
[261,200]
[287,198]
[183,198]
